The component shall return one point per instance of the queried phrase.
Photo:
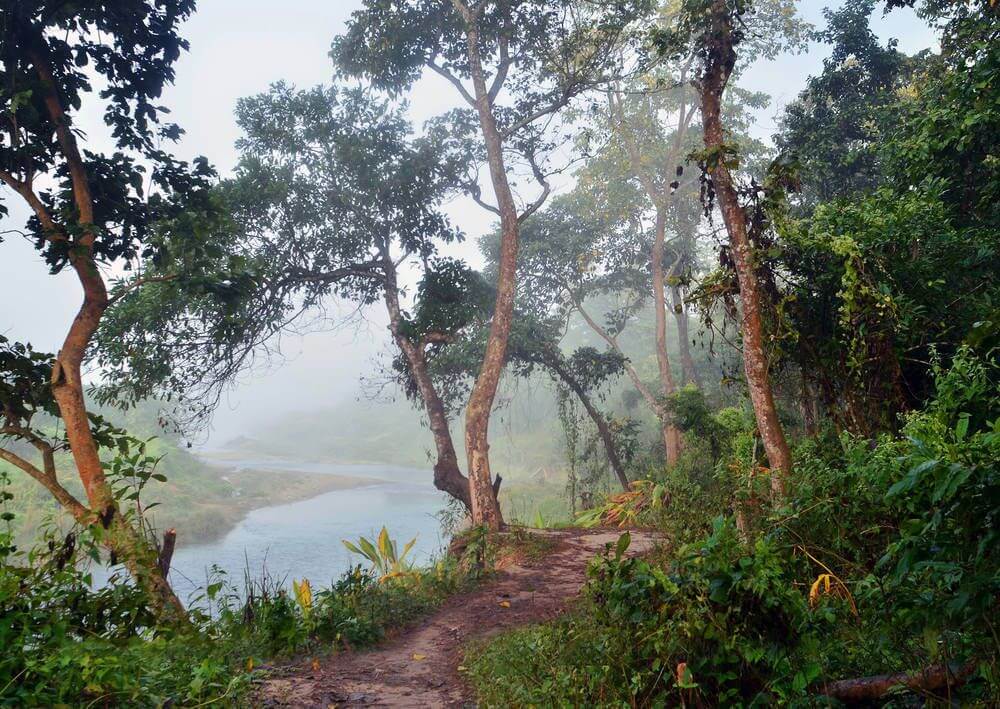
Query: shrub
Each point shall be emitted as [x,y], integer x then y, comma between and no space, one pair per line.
[883,559]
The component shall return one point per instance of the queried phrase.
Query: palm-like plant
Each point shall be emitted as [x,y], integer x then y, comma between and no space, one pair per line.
[386,561]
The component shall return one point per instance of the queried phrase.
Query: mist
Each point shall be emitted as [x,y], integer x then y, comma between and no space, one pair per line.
[238,49]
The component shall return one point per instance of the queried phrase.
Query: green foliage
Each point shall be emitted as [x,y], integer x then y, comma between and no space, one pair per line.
[905,527]
[386,561]
[284,237]
[897,223]
[24,382]
[883,274]
[130,47]
[838,123]
[66,642]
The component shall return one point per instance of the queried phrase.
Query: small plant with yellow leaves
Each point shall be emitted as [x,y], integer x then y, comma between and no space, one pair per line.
[387,563]
[627,508]
[303,596]
[830,585]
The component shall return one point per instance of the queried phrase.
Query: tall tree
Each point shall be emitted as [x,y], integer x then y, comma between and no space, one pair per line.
[715,28]
[655,155]
[887,236]
[574,251]
[89,208]
[719,61]
[331,198]
[536,55]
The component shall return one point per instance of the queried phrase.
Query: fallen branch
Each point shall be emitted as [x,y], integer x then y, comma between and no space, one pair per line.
[929,679]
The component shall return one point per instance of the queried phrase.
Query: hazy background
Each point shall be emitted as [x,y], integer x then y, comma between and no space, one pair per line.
[239,47]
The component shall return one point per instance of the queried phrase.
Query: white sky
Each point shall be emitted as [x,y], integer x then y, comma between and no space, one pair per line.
[239,47]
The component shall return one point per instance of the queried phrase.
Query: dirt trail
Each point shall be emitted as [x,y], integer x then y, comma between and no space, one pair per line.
[390,676]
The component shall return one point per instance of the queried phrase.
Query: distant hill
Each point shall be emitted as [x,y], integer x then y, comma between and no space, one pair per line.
[525,433]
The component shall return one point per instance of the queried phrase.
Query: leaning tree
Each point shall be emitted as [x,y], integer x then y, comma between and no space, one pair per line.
[332,199]
[516,64]
[88,209]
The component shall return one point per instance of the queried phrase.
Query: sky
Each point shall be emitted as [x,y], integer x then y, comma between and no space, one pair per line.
[238,48]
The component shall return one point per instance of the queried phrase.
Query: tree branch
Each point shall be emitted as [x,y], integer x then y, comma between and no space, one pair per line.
[505,61]
[139,282]
[81,513]
[455,81]
[546,187]
[24,189]
[613,342]
[67,141]
[477,196]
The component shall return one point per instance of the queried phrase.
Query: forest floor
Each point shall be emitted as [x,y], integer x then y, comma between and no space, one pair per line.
[420,667]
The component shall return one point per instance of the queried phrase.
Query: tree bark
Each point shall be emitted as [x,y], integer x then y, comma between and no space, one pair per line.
[485,509]
[688,369]
[719,66]
[67,385]
[671,436]
[448,476]
[867,689]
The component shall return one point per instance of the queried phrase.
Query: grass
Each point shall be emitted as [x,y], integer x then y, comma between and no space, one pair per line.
[538,665]
[521,544]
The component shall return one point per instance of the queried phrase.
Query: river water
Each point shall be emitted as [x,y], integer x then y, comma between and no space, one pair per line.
[303,539]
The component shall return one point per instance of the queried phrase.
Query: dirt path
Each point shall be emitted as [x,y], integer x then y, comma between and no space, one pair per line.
[390,676]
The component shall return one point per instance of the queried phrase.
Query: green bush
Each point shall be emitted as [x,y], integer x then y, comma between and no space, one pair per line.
[65,643]
[882,559]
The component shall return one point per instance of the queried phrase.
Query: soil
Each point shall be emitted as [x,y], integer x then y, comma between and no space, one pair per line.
[420,666]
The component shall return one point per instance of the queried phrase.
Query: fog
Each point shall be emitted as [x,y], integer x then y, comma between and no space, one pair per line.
[239,47]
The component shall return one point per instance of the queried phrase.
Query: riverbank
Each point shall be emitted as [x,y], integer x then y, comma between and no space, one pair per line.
[202,500]
[238,491]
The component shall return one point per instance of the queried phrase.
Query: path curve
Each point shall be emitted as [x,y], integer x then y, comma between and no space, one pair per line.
[389,676]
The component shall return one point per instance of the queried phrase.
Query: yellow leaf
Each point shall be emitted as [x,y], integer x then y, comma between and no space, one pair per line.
[314,664]
[417,656]
[249,664]
[303,594]
[505,604]
[830,585]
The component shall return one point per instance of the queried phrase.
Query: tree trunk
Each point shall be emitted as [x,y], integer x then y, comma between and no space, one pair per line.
[448,476]
[719,65]
[688,370]
[67,385]
[651,401]
[603,430]
[121,538]
[671,436]
[485,509]
[810,407]
[869,689]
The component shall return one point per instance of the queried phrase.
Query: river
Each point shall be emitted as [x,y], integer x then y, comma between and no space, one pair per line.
[303,539]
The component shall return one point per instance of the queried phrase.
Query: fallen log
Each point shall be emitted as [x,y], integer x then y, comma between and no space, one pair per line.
[929,679]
